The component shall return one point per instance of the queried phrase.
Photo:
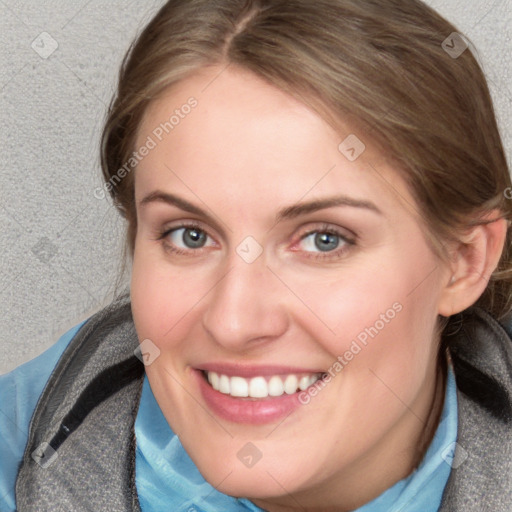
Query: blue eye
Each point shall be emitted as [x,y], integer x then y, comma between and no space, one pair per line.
[192,238]
[322,241]
[185,239]
[325,243]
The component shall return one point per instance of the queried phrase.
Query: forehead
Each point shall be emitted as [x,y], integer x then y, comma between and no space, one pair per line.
[225,133]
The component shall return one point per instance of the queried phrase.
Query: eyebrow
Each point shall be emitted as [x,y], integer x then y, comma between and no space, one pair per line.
[328,202]
[287,213]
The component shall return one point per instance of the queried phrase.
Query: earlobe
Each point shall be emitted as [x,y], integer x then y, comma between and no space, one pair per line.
[475,258]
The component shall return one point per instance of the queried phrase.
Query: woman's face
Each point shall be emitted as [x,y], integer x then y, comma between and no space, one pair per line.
[267,254]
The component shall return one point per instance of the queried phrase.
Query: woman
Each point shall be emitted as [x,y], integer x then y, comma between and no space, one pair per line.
[319,232]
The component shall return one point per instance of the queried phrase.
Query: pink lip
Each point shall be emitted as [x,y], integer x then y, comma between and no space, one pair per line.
[247,372]
[247,410]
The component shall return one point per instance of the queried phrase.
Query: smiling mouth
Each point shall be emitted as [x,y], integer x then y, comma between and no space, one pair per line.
[272,386]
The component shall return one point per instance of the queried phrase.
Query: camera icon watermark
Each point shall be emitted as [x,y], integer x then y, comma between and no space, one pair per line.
[352,147]
[147,352]
[455,45]
[249,455]
[44,455]
[44,45]
[454,455]
[45,250]
[249,249]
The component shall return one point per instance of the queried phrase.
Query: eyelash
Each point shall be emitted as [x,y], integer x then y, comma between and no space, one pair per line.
[337,253]
[165,233]
[345,243]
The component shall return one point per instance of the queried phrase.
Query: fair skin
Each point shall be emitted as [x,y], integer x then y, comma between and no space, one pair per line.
[244,153]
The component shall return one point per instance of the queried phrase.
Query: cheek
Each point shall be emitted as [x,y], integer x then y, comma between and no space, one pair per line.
[375,313]
[342,303]
[162,296]
[393,335]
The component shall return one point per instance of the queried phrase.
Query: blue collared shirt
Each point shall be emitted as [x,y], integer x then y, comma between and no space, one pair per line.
[166,477]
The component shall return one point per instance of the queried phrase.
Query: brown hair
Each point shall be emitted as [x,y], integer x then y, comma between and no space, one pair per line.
[378,63]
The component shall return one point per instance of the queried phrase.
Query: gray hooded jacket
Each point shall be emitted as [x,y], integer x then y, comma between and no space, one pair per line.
[80,453]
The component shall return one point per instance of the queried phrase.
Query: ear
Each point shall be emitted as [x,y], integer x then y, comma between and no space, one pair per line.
[474,259]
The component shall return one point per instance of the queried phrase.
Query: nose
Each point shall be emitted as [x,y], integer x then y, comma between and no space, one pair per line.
[246,307]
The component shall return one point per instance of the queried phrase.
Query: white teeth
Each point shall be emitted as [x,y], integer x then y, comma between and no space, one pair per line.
[275,386]
[290,384]
[224,384]
[239,387]
[213,379]
[260,387]
[303,383]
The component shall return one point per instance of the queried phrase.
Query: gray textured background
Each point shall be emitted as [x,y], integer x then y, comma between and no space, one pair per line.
[61,247]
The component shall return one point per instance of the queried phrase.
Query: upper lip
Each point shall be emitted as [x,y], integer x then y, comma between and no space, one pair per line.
[247,371]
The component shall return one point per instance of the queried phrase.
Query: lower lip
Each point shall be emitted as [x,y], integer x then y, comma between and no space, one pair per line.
[247,410]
